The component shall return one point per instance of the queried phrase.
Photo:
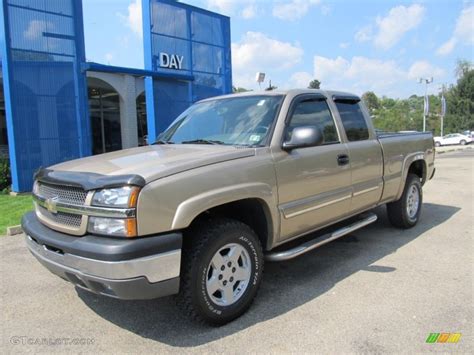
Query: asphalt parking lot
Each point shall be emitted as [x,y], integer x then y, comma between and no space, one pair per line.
[377,290]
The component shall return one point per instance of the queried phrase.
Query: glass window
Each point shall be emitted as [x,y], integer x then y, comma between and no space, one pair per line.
[314,113]
[245,120]
[353,121]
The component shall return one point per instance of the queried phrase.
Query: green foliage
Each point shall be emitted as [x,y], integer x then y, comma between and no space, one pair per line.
[238,89]
[314,84]
[5,178]
[371,101]
[407,114]
[460,103]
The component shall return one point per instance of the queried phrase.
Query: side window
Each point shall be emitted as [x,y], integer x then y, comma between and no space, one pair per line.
[314,113]
[353,120]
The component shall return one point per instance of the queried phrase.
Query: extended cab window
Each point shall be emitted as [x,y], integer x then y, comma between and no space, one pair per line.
[353,120]
[314,112]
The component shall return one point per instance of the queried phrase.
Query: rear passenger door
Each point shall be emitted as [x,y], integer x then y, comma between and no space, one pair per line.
[365,153]
[314,183]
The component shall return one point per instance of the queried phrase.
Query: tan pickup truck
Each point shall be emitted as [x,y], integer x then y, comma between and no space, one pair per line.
[226,187]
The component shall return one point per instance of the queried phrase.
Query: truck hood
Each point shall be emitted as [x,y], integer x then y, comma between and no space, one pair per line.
[155,161]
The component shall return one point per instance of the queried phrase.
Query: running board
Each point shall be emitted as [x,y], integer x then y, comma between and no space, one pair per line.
[367,219]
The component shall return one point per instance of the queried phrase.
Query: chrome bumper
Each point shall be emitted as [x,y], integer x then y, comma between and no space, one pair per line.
[141,278]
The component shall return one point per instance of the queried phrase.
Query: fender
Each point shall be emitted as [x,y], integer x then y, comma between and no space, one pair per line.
[189,209]
[409,159]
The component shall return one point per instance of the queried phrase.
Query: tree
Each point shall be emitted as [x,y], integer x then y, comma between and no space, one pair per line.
[463,66]
[314,84]
[239,89]
[371,101]
[460,100]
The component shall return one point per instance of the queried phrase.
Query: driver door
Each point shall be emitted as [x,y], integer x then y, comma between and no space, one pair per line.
[314,183]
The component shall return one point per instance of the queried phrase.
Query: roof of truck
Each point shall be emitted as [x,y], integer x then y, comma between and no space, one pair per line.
[291,92]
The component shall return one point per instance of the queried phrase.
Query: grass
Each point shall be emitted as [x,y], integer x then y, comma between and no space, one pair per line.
[12,209]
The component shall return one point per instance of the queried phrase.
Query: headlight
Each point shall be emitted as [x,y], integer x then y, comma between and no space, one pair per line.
[113,226]
[116,197]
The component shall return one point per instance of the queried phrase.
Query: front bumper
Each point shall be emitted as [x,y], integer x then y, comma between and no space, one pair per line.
[140,268]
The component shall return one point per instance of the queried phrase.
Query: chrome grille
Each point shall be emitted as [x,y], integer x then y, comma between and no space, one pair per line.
[67,194]
[65,219]
[70,223]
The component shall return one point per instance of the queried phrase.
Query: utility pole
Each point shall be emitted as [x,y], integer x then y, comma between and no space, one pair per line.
[426,108]
[443,108]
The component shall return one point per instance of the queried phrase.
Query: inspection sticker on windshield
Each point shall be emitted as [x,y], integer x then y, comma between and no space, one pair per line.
[254,138]
[261,103]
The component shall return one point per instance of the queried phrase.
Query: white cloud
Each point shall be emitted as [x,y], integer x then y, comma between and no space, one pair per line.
[399,20]
[463,33]
[344,45]
[364,34]
[133,19]
[447,47]
[361,74]
[249,12]
[294,9]
[300,79]
[109,57]
[390,29]
[257,52]
[36,28]
[246,9]
[424,69]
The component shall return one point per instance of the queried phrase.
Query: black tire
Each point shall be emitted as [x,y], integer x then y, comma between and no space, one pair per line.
[437,144]
[462,142]
[202,243]
[398,211]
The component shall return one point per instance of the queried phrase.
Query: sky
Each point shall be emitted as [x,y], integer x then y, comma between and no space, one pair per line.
[383,46]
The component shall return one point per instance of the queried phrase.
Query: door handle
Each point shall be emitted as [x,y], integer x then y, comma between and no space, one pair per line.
[342,159]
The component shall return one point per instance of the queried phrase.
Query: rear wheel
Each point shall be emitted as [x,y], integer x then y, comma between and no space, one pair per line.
[462,142]
[437,144]
[405,212]
[221,271]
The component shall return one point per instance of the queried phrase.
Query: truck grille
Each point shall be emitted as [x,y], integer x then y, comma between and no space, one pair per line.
[73,195]
[65,222]
[66,219]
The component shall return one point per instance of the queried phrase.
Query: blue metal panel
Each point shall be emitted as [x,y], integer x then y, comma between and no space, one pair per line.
[45,89]
[202,39]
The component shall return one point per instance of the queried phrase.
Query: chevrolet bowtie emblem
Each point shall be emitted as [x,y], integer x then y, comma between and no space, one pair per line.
[50,204]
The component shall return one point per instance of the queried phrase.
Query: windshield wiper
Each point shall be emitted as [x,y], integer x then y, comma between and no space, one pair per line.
[159,141]
[202,141]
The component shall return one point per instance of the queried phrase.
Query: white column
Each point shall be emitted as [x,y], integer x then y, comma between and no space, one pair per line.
[128,113]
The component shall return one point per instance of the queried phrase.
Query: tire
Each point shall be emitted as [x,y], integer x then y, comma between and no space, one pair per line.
[462,142]
[405,212]
[202,271]
[437,144]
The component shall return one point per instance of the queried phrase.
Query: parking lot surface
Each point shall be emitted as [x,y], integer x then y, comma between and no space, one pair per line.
[377,290]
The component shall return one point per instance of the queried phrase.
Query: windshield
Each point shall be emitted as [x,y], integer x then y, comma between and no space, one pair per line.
[243,120]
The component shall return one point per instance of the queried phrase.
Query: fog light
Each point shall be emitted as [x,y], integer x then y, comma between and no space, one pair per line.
[113,226]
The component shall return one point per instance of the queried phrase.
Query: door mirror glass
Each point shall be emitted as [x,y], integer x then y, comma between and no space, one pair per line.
[304,136]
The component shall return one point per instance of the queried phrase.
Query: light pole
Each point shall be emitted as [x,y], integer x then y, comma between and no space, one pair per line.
[443,108]
[426,108]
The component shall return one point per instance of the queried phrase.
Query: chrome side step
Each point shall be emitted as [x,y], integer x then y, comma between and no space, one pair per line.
[367,219]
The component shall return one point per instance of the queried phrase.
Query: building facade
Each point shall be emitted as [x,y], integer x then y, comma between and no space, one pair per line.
[55,106]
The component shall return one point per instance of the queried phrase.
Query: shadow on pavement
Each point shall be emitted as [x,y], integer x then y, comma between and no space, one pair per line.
[285,286]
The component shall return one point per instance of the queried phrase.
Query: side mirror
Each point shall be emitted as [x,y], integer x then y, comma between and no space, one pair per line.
[306,136]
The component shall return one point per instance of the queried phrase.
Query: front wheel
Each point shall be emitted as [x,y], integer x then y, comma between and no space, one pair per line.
[463,142]
[221,270]
[405,212]
[437,144]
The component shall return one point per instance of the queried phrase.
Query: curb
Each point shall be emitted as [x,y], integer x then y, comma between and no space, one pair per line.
[14,230]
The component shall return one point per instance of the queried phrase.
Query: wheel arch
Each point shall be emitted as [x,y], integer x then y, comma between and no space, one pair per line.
[252,204]
[414,164]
